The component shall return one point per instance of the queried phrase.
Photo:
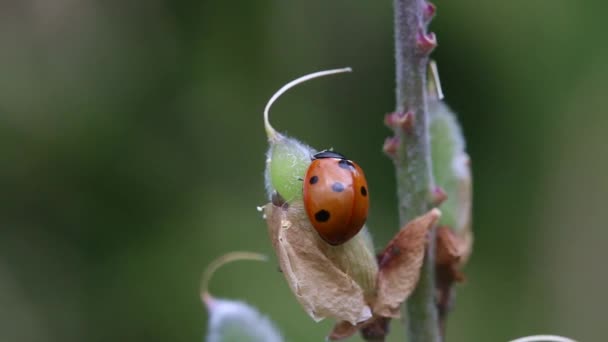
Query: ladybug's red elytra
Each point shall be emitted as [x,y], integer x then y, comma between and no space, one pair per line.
[336,198]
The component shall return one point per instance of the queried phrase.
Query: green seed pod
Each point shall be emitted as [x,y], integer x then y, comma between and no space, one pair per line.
[286,164]
[288,158]
[450,161]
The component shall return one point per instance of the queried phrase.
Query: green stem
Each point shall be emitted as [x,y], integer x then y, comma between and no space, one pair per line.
[413,154]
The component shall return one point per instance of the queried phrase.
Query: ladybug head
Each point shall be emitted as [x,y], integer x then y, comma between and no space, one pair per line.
[328,154]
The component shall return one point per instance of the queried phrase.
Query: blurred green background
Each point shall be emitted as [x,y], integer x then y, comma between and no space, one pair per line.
[132,154]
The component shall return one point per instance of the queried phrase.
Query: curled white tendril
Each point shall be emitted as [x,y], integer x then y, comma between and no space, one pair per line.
[219,262]
[272,134]
[543,338]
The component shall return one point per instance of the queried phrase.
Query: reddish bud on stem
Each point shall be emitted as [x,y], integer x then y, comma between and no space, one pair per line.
[390,146]
[439,196]
[426,42]
[405,121]
[429,12]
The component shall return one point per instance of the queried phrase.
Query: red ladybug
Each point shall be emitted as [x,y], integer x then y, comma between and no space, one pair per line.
[335,197]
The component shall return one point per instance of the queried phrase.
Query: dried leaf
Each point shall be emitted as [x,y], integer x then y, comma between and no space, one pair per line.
[400,264]
[374,329]
[446,251]
[342,330]
[452,249]
[450,256]
[323,289]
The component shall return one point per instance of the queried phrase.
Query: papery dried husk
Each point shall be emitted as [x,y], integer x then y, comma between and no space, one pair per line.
[400,264]
[328,281]
[373,329]
[452,248]
[343,330]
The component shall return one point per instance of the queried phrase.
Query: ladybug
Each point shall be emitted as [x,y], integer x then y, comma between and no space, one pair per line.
[335,197]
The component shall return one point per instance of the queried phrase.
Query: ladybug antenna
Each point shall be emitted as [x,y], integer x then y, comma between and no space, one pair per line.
[270,132]
[219,262]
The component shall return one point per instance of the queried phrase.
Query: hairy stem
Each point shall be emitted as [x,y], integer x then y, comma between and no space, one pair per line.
[412,154]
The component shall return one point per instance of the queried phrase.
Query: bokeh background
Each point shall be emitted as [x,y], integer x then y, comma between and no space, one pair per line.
[132,153]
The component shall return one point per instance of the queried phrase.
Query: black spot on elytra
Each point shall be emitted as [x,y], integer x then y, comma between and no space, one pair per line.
[346,164]
[313,180]
[363,191]
[322,215]
[337,187]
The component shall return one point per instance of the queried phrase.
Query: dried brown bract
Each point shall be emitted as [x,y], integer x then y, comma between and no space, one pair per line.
[400,264]
[321,286]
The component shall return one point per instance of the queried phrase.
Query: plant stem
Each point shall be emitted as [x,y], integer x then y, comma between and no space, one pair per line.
[413,155]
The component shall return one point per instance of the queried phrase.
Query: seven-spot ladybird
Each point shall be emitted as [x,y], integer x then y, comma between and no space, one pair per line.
[336,198]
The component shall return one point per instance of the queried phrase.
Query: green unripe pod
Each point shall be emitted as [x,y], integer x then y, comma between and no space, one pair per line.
[287,162]
[451,168]
[288,158]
